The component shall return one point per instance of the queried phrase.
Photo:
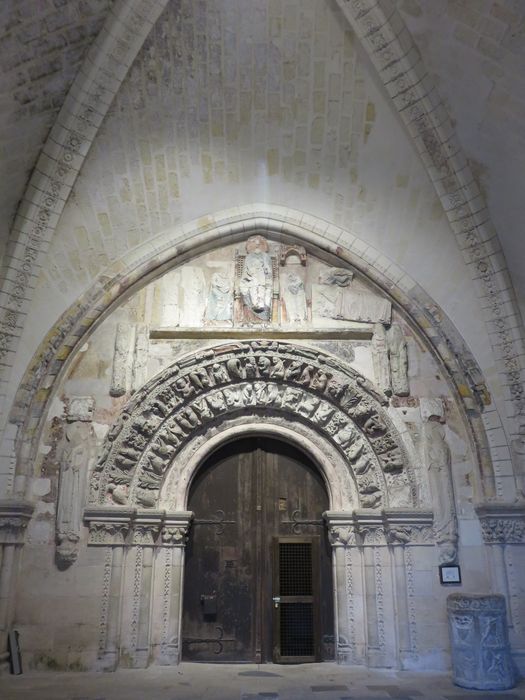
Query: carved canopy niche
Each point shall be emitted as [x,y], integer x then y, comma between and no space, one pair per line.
[252,379]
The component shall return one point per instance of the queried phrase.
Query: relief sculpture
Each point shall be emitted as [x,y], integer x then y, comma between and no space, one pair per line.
[76,454]
[255,281]
[438,462]
[220,298]
[248,378]
[337,298]
[518,458]
[398,357]
[294,298]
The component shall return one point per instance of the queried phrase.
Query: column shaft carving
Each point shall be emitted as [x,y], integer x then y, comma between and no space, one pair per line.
[401,600]
[111,651]
[14,518]
[133,536]
[142,650]
[108,528]
[349,635]
[173,541]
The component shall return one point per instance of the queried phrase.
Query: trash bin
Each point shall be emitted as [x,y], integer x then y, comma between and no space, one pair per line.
[479,642]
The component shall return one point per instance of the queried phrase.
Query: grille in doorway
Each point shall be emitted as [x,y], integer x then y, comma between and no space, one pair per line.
[297,626]
[295,568]
[296,609]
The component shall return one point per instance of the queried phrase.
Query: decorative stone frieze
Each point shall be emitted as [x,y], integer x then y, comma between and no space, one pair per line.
[266,377]
[14,518]
[394,526]
[502,523]
[409,526]
[108,526]
[116,526]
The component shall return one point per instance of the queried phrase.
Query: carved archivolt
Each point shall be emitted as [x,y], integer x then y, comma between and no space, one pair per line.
[263,378]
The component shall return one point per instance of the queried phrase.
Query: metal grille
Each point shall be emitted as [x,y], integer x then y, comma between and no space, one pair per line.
[297,629]
[295,568]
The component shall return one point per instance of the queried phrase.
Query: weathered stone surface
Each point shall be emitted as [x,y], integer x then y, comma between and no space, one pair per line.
[481,656]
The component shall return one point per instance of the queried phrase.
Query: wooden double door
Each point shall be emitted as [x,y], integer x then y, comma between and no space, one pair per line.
[258,576]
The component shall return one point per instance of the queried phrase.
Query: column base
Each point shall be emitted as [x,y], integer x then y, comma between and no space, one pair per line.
[168,656]
[140,658]
[107,662]
[378,659]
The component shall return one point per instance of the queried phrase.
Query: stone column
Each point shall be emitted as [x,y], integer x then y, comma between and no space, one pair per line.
[14,517]
[108,528]
[174,535]
[371,532]
[503,526]
[348,601]
[146,527]
[406,529]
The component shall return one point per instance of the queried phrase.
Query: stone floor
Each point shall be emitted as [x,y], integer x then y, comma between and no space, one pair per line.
[247,682]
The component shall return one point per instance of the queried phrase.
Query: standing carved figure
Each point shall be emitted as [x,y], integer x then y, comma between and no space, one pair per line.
[380,358]
[220,302]
[76,455]
[256,282]
[294,298]
[438,461]
[398,357]
[518,457]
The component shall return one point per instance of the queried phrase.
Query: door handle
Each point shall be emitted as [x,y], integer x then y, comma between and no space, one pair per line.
[276,601]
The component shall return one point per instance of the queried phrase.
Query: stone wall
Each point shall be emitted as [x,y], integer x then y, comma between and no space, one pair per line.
[75,579]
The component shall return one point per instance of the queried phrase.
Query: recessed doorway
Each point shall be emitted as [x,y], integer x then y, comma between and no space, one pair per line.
[258,574]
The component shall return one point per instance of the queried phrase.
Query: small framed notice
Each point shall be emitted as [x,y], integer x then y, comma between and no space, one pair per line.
[449,573]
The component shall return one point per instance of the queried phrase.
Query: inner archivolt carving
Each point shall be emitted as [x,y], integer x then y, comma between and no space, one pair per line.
[258,378]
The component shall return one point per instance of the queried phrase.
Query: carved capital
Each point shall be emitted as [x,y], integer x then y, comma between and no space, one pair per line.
[342,535]
[108,533]
[146,526]
[108,526]
[80,408]
[502,523]
[408,527]
[371,527]
[341,528]
[470,602]
[14,518]
[175,530]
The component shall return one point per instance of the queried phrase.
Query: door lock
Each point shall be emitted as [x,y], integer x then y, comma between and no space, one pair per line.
[276,601]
